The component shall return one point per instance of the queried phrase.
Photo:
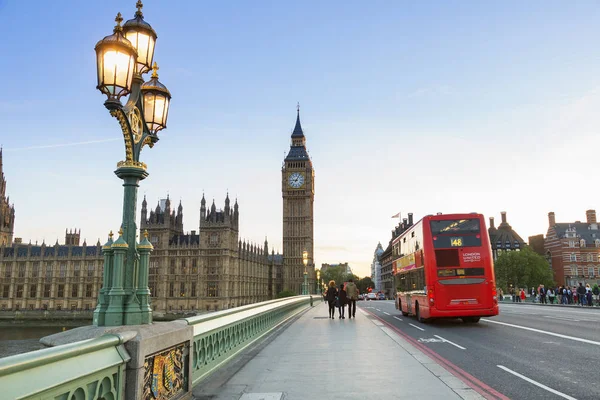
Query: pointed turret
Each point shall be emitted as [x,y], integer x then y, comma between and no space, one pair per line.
[167,208]
[297,149]
[227,208]
[202,211]
[144,213]
[298,128]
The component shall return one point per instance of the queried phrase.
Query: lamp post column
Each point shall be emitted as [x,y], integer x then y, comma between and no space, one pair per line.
[131,175]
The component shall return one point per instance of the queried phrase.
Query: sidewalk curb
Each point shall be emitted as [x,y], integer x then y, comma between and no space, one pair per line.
[525,303]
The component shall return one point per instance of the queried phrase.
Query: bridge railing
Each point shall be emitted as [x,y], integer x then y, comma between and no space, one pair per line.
[96,369]
[221,335]
[88,370]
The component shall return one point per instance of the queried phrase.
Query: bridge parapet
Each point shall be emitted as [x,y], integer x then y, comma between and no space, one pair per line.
[145,361]
[219,336]
[87,370]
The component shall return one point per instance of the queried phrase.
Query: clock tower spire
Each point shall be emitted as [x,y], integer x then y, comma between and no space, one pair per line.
[298,192]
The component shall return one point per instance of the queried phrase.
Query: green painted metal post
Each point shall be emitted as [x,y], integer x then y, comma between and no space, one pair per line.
[107,277]
[142,292]
[116,295]
[132,308]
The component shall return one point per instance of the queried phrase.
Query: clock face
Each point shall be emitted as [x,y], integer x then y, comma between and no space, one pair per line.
[296,180]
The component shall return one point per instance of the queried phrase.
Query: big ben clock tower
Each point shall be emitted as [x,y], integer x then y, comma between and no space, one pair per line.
[298,191]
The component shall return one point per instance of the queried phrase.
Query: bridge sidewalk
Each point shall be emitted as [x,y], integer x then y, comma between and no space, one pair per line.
[316,357]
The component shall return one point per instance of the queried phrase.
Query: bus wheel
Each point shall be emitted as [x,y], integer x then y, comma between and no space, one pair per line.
[404,313]
[418,314]
[470,320]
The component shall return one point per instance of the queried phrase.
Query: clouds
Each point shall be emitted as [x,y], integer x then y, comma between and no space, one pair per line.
[51,146]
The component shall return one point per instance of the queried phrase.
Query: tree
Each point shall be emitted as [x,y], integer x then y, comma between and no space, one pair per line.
[286,293]
[365,283]
[337,274]
[522,269]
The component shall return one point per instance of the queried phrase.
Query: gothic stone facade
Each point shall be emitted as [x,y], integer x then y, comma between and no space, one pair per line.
[298,192]
[7,211]
[59,277]
[209,269]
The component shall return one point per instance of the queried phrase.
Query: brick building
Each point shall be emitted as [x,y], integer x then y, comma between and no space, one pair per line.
[573,250]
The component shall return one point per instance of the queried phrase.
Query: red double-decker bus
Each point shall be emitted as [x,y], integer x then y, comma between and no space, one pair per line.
[444,269]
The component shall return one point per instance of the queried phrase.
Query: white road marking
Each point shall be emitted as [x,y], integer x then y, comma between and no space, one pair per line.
[386,313]
[556,392]
[563,319]
[430,340]
[399,319]
[452,343]
[378,309]
[414,326]
[547,333]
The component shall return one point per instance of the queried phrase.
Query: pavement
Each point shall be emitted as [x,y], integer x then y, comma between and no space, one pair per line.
[315,357]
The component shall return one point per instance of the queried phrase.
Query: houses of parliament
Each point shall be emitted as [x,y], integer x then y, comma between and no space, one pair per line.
[207,269]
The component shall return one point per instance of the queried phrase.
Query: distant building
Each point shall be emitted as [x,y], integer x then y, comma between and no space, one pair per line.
[376,267]
[345,267]
[536,243]
[504,238]
[573,250]
[388,258]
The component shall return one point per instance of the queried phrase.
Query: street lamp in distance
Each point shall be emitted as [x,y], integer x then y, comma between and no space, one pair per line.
[305,262]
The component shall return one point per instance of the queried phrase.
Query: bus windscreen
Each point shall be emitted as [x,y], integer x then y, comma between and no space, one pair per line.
[455,226]
[456,233]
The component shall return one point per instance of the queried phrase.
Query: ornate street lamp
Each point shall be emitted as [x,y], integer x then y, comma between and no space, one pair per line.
[305,261]
[122,59]
[318,282]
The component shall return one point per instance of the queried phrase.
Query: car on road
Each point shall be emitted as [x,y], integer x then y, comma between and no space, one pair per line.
[380,296]
[371,296]
[361,297]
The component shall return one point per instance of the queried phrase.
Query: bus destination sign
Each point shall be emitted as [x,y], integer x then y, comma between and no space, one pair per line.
[456,241]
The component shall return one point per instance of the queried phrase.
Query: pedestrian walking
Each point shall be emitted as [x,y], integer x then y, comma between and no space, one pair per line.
[522,296]
[331,296]
[352,293]
[342,300]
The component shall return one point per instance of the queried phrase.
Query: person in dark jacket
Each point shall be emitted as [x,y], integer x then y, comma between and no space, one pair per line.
[581,294]
[342,300]
[331,296]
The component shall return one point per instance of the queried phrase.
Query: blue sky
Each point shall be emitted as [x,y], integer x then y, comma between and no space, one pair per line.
[416,107]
